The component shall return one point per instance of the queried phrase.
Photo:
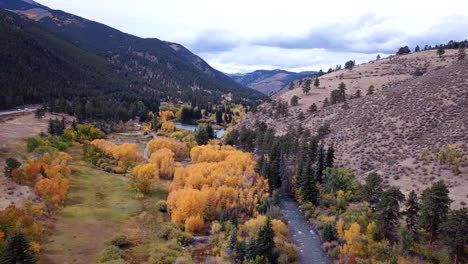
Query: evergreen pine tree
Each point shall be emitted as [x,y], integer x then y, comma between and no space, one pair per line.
[309,190]
[417,49]
[286,183]
[435,204]
[412,211]
[454,232]
[317,82]
[251,250]
[328,232]
[389,211]
[320,164]
[18,251]
[330,158]
[373,188]
[265,244]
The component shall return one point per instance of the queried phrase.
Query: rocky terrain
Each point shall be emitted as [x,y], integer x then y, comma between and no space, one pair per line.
[387,131]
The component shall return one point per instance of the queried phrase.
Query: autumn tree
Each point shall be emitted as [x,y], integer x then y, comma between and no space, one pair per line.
[168,126]
[373,188]
[435,204]
[454,233]
[178,148]
[18,251]
[164,161]
[389,212]
[52,191]
[354,243]
[143,177]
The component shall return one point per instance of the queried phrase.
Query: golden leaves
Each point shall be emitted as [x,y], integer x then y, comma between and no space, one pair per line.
[143,177]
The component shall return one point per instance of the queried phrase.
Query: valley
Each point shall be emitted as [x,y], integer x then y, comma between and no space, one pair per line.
[160,139]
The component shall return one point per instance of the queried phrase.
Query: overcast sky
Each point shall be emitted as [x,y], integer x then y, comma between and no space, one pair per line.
[246,35]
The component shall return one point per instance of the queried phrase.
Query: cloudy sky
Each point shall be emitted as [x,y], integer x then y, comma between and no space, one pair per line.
[246,35]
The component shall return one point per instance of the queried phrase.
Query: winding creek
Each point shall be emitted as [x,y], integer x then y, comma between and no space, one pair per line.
[308,243]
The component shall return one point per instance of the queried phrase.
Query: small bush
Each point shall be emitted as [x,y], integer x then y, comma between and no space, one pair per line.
[110,253]
[164,253]
[161,206]
[181,237]
[120,240]
[165,230]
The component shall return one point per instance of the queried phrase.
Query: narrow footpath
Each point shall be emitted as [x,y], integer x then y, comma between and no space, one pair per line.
[304,237]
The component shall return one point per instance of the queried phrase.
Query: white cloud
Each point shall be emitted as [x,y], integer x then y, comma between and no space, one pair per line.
[246,35]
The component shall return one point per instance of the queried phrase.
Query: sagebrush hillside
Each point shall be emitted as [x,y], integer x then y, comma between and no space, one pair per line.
[387,132]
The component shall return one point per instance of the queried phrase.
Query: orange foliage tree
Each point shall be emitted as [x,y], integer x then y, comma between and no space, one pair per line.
[164,161]
[168,126]
[52,191]
[126,154]
[143,177]
[228,182]
[178,148]
[166,115]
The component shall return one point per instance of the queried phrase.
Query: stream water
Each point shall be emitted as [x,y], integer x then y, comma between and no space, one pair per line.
[219,132]
[308,243]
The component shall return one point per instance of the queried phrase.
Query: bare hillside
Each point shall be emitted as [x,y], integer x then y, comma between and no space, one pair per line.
[381,74]
[386,132]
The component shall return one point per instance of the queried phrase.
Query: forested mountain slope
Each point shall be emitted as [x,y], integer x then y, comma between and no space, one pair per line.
[398,131]
[38,67]
[174,75]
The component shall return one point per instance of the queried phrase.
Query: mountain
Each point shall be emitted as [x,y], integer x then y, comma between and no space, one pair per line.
[38,67]
[268,82]
[387,131]
[170,69]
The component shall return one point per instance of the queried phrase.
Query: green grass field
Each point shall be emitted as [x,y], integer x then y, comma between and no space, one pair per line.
[97,207]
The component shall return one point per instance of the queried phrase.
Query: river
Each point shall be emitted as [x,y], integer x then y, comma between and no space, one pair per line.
[219,132]
[308,243]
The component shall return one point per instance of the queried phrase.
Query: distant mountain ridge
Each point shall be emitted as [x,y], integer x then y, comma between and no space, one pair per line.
[269,82]
[178,74]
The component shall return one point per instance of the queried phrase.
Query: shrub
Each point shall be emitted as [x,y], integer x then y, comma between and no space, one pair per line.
[110,253]
[161,206]
[120,240]
[165,230]
[164,253]
[181,237]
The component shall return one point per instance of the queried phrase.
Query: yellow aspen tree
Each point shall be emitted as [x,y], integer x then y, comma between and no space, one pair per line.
[143,177]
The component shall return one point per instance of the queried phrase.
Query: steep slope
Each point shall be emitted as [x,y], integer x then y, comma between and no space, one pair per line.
[268,82]
[387,131]
[380,73]
[176,75]
[38,67]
